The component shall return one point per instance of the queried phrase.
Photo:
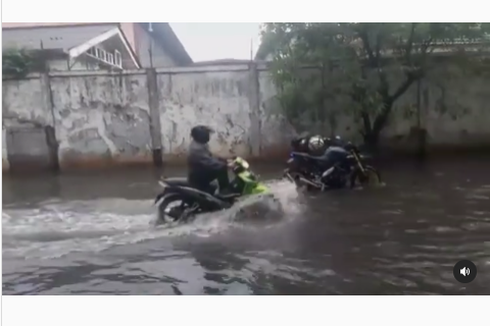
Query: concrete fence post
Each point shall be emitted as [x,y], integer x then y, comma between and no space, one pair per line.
[422,112]
[50,127]
[155,126]
[255,131]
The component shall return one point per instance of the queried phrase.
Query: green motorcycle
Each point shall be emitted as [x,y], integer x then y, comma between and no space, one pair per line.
[179,201]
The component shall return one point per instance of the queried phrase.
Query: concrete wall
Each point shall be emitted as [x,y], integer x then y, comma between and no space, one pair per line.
[103,118]
[144,117]
[219,99]
[453,109]
[5,161]
[24,119]
[80,64]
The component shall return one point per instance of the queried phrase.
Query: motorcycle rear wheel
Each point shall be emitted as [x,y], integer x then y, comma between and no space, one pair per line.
[176,213]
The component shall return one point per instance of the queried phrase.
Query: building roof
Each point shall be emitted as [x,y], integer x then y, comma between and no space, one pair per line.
[67,35]
[164,34]
[51,37]
[101,38]
[71,39]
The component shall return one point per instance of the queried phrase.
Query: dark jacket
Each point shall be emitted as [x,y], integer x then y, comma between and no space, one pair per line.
[202,164]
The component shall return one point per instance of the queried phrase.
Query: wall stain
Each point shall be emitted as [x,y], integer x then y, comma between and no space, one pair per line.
[92,113]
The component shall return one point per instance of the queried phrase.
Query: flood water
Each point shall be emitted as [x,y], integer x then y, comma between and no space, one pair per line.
[91,233]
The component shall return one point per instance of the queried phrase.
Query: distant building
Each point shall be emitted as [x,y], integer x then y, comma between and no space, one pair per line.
[96,46]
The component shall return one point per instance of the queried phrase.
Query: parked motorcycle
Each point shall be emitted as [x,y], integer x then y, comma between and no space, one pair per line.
[191,201]
[314,172]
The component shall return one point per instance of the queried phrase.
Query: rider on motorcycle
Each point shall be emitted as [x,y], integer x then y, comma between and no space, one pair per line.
[306,143]
[203,166]
[335,141]
[335,151]
[331,150]
[315,145]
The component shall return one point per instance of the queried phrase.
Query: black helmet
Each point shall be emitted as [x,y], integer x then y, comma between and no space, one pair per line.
[335,141]
[201,134]
[299,140]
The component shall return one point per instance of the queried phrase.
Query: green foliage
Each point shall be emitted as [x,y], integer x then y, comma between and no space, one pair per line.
[16,63]
[371,65]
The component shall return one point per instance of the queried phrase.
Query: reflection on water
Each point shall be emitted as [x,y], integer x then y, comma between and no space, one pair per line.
[93,235]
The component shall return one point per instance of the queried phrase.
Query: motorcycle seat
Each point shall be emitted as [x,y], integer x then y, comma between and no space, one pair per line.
[178,181]
[184,182]
[308,156]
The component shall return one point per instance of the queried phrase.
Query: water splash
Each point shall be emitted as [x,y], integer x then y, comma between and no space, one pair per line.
[55,228]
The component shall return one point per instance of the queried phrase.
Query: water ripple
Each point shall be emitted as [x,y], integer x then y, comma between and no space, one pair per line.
[401,239]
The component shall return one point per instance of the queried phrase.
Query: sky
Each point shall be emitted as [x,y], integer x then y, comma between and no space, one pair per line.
[211,41]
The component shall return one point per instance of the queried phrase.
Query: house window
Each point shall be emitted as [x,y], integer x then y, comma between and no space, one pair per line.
[104,56]
[101,54]
[117,58]
[110,58]
[98,53]
[91,52]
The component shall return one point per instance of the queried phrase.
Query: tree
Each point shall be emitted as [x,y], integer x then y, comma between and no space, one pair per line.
[356,60]
[16,63]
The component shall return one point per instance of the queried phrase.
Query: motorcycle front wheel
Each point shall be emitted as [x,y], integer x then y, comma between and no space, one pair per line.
[370,177]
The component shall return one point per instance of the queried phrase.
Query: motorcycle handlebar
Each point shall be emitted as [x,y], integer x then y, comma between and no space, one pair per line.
[351,147]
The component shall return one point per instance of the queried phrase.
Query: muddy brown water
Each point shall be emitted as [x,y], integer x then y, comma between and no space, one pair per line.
[91,233]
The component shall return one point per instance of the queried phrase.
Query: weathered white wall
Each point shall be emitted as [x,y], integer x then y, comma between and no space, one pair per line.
[106,118]
[218,99]
[453,111]
[80,64]
[458,110]
[101,117]
[276,130]
[22,103]
[5,161]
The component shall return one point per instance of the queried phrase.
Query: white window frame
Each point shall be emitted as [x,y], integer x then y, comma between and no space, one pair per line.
[113,59]
[98,53]
[110,58]
[117,59]
[104,56]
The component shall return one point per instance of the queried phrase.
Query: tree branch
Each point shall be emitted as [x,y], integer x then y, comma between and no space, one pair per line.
[380,120]
[378,47]
[404,87]
[409,45]
[383,89]
[367,46]
[366,121]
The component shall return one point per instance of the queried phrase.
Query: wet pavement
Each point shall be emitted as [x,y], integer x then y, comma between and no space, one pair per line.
[91,233]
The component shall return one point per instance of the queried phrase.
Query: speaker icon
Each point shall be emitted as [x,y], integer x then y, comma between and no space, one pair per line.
[465,271]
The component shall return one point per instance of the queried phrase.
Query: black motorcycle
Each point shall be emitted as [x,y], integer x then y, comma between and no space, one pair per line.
[315,172]
[191,201]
